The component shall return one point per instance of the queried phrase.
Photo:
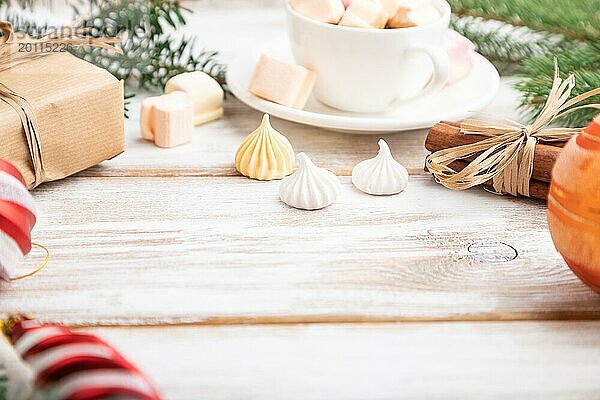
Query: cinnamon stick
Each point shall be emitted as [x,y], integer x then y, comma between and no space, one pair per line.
[447,134]
[537,189]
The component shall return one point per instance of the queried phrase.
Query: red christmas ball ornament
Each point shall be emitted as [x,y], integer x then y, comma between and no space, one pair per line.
[76,366]
[17,218]
[574,205]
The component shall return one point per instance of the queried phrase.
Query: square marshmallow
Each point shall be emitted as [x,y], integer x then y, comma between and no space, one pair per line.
[329,11]
[406,17]
[365,14]
[282,83]
[168,120]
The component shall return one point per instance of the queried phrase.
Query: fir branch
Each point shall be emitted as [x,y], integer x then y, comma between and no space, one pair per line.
[149,64]
[23,4]
[538,76]
[575,22]
[3,379]
[506,45]
[151,56]
[23,24]
[3,388]
[574,19]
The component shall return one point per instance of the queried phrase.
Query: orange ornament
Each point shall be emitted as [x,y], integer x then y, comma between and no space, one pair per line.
[574,205]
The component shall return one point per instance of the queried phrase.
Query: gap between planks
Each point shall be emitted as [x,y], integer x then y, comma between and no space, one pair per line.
[294,320]
[133,172]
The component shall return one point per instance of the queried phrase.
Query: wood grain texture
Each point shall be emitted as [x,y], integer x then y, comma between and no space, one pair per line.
[226,250]
[213,148]
[212,151]
[530,360]
[157,237]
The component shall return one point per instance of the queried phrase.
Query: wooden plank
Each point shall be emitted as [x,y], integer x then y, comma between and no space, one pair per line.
[226,250]
[212,151]
[533,360]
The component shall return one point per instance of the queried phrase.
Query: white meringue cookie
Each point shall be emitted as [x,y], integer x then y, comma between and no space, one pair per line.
[381,175]
[310,187]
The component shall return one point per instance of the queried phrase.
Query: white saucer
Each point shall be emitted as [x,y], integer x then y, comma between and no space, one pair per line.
[455,102]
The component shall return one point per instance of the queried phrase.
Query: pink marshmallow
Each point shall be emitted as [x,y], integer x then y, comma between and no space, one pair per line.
[282,83]
[168,120]
[329,11]
[460,53]
[364,14]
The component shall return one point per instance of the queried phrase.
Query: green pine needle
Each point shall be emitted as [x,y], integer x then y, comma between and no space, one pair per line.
[3,388]
[575,19]
[506,45]
[566,30]
[151,56]
[538,74]
[519,36]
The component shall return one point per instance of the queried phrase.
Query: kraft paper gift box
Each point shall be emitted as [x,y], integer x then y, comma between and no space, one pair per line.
[79,111]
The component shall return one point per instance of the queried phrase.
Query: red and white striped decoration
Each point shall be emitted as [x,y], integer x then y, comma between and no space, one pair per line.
[17,218]
[77,366]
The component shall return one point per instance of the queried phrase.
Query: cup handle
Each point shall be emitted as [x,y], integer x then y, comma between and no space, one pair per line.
[441,67]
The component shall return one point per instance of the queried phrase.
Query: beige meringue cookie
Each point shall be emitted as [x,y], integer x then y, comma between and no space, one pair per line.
[265,154]
[381,175]
[310,187]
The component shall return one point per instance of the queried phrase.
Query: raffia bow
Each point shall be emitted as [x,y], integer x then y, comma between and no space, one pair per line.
[507,154]
[12,55]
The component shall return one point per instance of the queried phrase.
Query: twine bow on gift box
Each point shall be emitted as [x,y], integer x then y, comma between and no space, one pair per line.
[507,154]
[12,54]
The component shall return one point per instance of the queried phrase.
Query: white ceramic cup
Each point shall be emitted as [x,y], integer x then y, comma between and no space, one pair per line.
[368,70]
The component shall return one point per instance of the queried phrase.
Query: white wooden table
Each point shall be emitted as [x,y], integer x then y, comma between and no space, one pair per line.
[220,291]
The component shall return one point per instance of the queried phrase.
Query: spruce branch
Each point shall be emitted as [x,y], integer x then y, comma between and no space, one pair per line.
[151,54]
[574,19]
[506,45]
[3,387]
[538,75]
[530,34]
